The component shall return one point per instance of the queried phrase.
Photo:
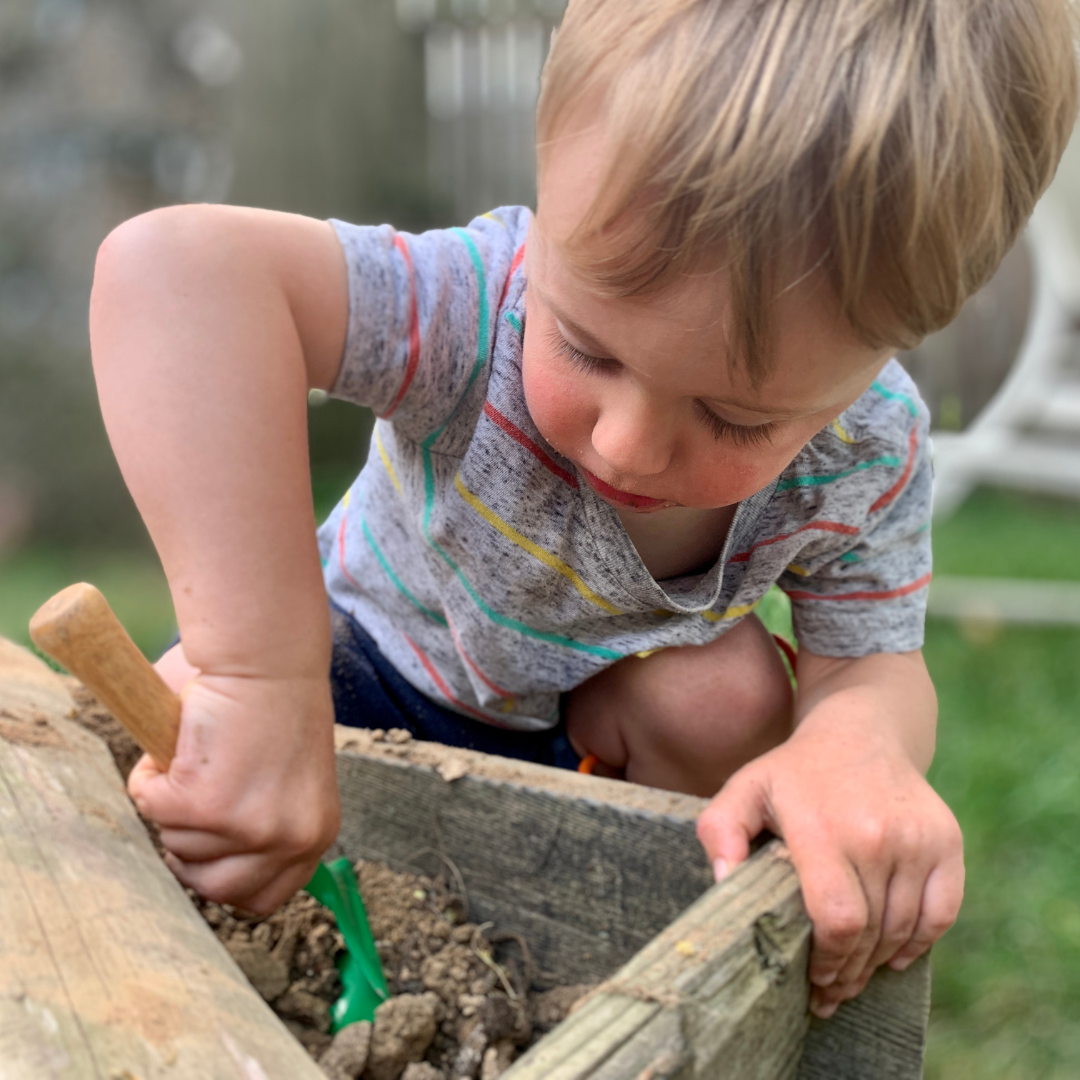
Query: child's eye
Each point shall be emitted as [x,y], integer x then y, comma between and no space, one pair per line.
[579,359]
[740,434]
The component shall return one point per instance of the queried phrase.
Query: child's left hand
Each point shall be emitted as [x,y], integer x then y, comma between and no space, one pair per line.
[878,853]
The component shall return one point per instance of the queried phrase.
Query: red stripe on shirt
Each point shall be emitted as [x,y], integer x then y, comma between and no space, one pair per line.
[438,680]
[888,594]
[514,264]
[519,436]
[472,663]
[895,490]
[414,330]
[341,554]
[822,526]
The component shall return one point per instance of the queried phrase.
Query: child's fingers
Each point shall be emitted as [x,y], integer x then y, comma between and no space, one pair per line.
[902,910]
[940,905]
[249,881]
[731,821]
[875,889]
[839,910]
[140,784]
[893,929]
[825,1001]
[157,798]
[199,845]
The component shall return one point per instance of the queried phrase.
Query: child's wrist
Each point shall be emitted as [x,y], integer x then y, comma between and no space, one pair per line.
[295,651]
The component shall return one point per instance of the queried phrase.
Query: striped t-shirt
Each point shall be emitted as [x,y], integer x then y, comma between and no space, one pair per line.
[494,579]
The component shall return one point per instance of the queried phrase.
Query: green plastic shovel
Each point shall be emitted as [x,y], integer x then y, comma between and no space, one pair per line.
[334,885]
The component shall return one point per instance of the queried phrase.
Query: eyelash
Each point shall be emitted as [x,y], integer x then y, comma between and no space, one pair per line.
[741,434]
[582,361]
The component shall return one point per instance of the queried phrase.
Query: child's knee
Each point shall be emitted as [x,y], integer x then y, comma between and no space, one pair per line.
[756,685]
[707,708]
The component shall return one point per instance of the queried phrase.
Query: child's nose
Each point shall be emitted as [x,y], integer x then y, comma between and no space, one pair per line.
[634,437]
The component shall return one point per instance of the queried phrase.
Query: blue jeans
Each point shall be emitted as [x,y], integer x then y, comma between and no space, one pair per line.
[369,692]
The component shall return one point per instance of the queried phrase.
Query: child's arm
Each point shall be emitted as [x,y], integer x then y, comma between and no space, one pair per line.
[208,325]
[879,854]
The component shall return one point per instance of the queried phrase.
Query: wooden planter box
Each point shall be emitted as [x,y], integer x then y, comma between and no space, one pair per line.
[108,972]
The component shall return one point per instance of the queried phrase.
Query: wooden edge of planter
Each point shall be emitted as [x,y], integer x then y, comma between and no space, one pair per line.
[721,987]
[106,968]
[453,763]
[586,870]
[723,992]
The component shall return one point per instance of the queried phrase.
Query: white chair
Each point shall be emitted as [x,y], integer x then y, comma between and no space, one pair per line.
[1027,434]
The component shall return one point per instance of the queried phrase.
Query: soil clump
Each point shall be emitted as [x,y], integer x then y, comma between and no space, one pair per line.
[466,999]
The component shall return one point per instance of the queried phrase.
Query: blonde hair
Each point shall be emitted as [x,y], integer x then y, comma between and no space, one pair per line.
[898,146]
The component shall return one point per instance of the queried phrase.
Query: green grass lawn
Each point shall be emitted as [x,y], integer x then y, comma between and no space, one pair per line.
[1007,977]
[1006,1001]
[132,582]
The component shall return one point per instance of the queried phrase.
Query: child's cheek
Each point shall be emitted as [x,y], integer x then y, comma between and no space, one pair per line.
[735,476]
[558,408]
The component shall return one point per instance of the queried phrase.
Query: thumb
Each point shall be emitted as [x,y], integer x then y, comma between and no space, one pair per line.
[732,820]
[142,784]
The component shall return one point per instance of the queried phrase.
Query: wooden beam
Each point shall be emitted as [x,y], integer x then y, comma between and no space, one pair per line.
[721,992]
[107,970]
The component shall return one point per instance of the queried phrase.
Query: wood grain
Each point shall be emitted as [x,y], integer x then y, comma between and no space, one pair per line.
[588,870]
[107,971]
[721,992]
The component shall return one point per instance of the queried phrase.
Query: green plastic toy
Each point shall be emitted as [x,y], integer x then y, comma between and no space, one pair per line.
[334,885]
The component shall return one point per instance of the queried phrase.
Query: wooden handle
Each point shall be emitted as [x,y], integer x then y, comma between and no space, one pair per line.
[78,629]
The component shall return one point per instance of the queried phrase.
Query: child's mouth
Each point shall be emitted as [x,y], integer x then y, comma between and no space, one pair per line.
[624,498]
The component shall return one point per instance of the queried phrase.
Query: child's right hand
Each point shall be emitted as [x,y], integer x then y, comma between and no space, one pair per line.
[250,802]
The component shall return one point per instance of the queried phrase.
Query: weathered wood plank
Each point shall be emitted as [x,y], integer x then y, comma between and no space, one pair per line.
[721,992]
[106,968]
[881,1034]
[588,870]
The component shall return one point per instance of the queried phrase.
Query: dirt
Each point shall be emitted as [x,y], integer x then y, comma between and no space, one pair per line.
[466,1001]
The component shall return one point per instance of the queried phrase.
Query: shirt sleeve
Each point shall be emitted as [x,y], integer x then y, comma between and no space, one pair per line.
[422,311]
[852,596]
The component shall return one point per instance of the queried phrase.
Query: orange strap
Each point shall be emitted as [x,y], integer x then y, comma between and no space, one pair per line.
[588,764]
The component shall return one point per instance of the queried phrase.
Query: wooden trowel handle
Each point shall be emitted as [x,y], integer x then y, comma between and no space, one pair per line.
[78,629]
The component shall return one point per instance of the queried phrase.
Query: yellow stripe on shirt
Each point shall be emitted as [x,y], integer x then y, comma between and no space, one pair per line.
[386,459]
[546,557]
[731,613]
[844,436]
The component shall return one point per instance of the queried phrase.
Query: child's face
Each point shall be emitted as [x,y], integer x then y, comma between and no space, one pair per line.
[640,393]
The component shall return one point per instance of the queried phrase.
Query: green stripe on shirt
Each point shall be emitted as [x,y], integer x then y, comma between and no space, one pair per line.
[889,460]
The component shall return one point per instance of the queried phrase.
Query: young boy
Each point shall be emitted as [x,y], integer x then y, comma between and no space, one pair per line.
[604,433]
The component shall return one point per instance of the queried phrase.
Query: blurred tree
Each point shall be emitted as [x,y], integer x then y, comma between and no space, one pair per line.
[112,107]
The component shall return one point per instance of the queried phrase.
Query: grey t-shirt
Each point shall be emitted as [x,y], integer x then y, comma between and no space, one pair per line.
[494,579]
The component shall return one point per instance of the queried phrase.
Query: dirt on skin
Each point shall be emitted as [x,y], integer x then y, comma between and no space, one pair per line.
[466,1001]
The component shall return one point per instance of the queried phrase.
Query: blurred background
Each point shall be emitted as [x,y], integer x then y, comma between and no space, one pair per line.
[419,113]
